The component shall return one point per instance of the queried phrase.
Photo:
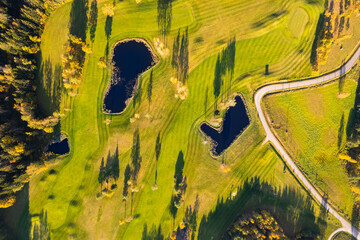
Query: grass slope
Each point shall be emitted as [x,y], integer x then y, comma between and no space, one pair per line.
[312,124]
[69,196]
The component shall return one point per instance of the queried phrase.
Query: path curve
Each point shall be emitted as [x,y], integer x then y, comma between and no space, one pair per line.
[278,87]
[336,232]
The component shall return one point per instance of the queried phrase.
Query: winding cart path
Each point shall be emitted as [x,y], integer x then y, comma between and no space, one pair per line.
[279,87]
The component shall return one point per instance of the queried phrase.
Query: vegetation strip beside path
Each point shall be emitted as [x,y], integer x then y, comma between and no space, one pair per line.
[278,87]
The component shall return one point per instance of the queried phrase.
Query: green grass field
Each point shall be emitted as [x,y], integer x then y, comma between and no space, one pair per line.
[69,196]
[343,236]
[313,125]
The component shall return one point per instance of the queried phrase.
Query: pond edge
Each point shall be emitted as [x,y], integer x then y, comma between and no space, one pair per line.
[213,143]
[155,61]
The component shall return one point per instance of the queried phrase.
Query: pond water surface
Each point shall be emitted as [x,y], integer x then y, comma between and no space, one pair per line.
[60,148]
[130,59]
[235,121]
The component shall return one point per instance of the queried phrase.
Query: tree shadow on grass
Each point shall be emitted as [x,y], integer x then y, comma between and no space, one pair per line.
[78,19]
[293,210]
[49,87]
[93,19]
[155,233]
[15,221]
[341,131]
[108,26]
[78,25]
[319,26]
[350,123]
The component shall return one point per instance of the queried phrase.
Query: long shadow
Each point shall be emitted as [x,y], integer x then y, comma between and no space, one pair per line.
[49,87]
[15,221]
[93,19]
[350,123]
[78,19]
[291,209]
[155,233]
[108,27]
[164,17]
[270,18]
[341,131]
[317,38]
[78,25]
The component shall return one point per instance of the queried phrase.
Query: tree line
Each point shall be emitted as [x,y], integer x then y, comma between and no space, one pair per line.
[257,225]
[332,27]
[350,154]
[24,127]
[76,47]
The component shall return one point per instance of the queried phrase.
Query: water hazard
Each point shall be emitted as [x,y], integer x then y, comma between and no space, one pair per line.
[130,59]
[60,148]
[235,121]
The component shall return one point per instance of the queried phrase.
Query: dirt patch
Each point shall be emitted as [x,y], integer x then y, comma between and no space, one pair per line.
[343,95]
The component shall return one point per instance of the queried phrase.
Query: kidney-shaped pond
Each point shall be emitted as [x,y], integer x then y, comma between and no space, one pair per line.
[130,59]
[235,121]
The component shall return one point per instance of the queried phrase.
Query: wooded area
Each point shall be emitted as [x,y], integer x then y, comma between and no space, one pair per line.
[333,26]
[24,128]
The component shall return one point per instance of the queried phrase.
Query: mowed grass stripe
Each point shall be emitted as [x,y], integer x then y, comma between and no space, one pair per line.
[175,118]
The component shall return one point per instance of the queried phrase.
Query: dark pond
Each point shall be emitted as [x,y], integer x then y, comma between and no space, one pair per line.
[235,121]
[130,59]
[59,147]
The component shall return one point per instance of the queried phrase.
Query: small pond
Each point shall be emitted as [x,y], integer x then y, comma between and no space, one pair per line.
[130,59]
[60,148]
[235,121]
